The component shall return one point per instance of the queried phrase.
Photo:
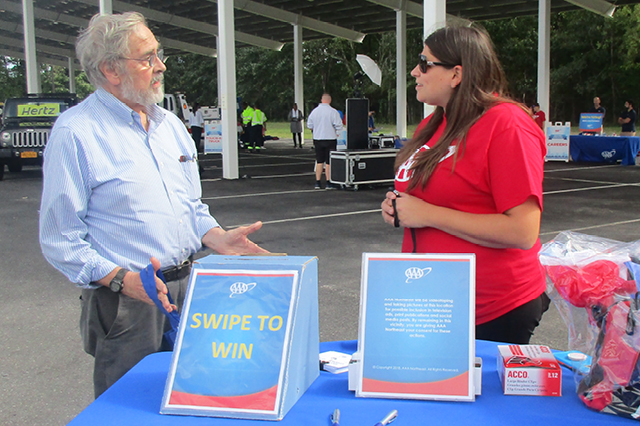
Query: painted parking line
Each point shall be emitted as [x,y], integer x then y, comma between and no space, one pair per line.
[602,225]
[591,188]
[603,185]
[322,216]
[260,194]
[571,169]
[261,177]
[588,181]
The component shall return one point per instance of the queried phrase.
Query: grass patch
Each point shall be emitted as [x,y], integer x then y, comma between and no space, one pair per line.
[283,131]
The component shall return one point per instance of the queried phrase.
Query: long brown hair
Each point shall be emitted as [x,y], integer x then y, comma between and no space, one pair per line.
[483,85]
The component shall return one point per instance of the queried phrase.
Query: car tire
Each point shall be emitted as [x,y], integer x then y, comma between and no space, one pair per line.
[15,167]
[1,171]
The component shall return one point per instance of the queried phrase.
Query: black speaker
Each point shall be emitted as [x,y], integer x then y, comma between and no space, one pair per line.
[357,123]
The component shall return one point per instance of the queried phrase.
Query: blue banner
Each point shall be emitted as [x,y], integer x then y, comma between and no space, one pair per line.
[591,122]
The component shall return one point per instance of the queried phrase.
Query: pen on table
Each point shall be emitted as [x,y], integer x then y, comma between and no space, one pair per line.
[388,418]
[335,417]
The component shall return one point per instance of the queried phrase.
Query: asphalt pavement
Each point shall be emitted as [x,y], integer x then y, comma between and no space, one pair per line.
[46,376]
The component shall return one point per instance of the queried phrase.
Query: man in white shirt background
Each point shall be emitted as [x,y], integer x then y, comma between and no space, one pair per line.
[326,124]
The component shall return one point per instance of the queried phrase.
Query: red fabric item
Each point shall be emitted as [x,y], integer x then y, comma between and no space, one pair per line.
[617,358]
[501,166]
[593,285]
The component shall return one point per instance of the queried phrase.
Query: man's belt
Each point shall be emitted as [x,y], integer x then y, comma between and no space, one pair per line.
[178,272]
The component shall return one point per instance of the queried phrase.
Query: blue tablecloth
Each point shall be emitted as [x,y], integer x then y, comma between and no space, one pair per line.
[135,400]
[605,149]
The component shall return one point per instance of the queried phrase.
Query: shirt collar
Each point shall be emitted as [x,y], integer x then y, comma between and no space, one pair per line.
[155,114]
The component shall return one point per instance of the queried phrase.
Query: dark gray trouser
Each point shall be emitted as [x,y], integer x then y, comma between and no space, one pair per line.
[120,331]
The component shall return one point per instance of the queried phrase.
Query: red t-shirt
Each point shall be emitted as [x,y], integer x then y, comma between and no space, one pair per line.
[501,166]
[539,118]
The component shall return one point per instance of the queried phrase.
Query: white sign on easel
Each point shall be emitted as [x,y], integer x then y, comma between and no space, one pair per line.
[213,137]
[558,141]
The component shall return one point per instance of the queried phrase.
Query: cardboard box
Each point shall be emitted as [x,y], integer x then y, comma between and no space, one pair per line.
[248,341]
[529,370]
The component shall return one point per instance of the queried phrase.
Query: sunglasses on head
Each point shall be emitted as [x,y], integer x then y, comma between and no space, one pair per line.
[425,64]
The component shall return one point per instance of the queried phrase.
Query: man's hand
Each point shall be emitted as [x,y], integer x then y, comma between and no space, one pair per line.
[234,241]
[132,286]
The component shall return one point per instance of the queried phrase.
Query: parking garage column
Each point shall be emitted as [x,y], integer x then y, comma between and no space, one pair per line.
[33,77]
[298,73]
[227,101]
[434,17]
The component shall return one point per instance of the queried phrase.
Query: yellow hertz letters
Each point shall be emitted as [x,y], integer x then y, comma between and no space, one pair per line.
[228,322]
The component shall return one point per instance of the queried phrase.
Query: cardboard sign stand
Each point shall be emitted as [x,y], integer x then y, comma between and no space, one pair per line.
[212,130]
[558,141]
[248,341]
[416,338]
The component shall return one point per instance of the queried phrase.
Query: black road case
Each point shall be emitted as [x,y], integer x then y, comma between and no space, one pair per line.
[357,167]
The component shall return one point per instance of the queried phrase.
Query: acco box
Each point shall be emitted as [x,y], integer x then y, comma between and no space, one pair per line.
[529,370]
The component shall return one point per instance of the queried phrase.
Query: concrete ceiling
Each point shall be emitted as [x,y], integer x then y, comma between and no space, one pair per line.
[191,25]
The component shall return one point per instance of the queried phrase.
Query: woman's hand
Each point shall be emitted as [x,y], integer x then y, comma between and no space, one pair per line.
[518,227]
[388,210]
[402,209]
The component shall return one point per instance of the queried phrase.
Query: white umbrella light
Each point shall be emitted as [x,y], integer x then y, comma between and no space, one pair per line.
[370,68]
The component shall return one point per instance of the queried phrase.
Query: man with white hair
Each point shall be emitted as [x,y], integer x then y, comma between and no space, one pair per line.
[122,190]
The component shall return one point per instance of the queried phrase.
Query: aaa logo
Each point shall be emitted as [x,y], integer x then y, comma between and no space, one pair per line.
[240,288]
[415,273]
[608,154]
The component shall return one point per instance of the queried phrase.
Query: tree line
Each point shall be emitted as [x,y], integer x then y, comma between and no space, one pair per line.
[590,56]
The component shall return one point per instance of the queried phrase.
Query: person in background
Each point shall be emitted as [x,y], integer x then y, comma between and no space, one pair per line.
[258,126]
[470,181]
[538,115]
[597,107]
[295,118]
[196,122]
[121,191]
[326,124]
[247,116]
[627,119]
[372,125]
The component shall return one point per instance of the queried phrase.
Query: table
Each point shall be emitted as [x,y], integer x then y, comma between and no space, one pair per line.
[135,400]
[606,149]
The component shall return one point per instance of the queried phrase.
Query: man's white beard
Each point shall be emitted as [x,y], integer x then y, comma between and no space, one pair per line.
[144,97]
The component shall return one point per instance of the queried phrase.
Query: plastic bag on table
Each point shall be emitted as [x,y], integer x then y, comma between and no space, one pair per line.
[592,282]
[584,273]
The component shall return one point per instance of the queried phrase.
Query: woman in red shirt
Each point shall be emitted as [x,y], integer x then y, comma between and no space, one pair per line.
[470,181]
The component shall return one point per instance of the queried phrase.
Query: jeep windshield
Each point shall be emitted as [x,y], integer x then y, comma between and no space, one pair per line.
[30,110]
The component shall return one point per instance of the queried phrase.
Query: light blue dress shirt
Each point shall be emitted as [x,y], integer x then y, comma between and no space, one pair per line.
[115,194]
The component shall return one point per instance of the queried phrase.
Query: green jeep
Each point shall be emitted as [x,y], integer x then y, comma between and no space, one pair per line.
[26,124]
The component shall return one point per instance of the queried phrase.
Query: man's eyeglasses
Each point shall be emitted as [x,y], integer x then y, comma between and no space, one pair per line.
[151,59]
[425,64]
